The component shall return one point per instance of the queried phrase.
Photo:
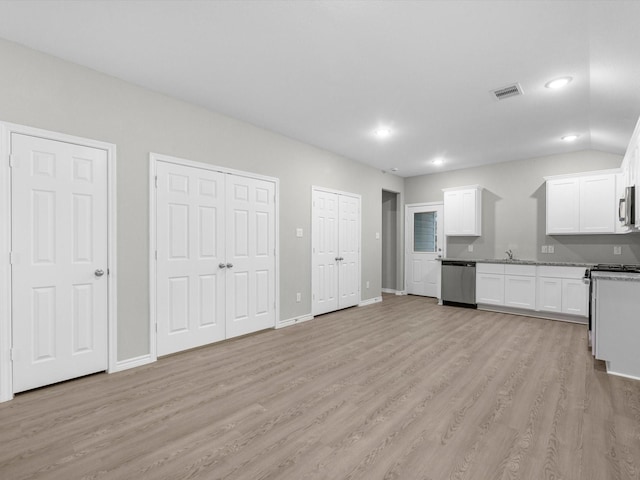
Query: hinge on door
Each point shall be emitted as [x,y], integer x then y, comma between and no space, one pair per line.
[156,328]
[156,254]
[13,354]
[156,181]
[12,161]
[13,258]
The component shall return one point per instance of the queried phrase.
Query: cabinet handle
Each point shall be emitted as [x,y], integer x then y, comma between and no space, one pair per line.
[621,216]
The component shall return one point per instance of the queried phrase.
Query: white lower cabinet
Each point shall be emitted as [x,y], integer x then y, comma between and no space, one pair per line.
[549,294]
[543,288]
[489,288]
[575,297]
[520,292]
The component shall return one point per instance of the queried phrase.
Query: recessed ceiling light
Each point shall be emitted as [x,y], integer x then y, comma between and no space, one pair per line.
[558,82]
[394,169]
[382,132]
[438,161]
[569,138]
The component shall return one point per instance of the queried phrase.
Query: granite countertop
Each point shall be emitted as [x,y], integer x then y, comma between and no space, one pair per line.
[524,262]
[623,276]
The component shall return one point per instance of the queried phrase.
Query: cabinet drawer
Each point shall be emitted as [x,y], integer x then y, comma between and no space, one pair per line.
[520,270]
[495,268]
[560,272]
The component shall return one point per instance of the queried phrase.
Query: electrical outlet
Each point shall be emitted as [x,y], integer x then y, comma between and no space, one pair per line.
[298,232]
[617,250]
[377,235]
[551,249]
[298,297]
[544,249]
[367,283]
[470,248]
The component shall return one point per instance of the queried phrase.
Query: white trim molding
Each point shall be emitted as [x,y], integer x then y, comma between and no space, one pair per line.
[370,301]
[294,321]
[132,363]
[6,129]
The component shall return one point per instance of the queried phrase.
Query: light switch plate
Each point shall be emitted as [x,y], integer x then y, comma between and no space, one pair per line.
[377,235]
[551,249]
[298,232]
[544,249]
[617,250]
[470,248]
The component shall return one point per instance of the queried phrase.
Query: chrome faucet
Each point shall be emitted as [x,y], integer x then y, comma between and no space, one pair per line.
[509,254]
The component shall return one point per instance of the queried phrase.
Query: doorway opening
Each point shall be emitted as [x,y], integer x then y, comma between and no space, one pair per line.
[391,240]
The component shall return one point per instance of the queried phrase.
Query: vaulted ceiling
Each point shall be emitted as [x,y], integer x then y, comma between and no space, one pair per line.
[329,73]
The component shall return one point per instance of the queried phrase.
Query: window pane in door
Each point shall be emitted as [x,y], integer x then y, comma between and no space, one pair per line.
[425,232]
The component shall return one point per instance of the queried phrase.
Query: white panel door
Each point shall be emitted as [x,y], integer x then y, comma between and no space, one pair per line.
[424,242]
[325,253]
[59,271]
[250,255]
[348,251]
[190,248]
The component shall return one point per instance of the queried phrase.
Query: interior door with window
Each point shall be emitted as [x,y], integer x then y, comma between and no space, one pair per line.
[424,244]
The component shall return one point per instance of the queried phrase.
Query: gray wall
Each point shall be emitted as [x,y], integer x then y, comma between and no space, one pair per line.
[513,213]
[42,91]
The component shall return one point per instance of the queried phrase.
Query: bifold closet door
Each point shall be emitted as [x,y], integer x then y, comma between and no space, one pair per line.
[190,257]
[325,252]
[348,250]
[216,270]
[250,254]
[335,251]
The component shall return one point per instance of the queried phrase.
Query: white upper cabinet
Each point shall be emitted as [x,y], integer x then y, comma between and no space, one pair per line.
[582,204]
[463,211]
[598,204]
[563,206]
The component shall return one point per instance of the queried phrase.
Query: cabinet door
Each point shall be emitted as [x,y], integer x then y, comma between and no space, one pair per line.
[574,297]
[563,206]
[468,213]
[452,213]
[520,292]
[598,204]
[490,288]
[549,292]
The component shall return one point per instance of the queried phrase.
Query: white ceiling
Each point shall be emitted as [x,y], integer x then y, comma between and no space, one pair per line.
[329,72]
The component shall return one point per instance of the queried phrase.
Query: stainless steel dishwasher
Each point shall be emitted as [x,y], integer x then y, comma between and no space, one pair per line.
[459,283]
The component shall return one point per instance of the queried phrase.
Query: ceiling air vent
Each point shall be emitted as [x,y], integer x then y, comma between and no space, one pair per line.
[509,91]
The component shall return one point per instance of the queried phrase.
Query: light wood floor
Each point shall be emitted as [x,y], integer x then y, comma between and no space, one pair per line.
[403,389]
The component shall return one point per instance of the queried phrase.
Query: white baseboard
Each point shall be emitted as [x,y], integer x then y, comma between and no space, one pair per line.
[294,321]
[132,363]
[389,290]
[370,301]
[401,292]
[610,371]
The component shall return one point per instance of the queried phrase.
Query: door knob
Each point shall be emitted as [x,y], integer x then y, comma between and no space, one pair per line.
[99,273]
[222,265]
[229,265]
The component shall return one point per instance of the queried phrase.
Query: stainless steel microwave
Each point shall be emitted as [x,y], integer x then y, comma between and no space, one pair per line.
[627,207]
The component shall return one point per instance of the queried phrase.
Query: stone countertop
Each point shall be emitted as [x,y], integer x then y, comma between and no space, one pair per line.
[619,276]
[524,262]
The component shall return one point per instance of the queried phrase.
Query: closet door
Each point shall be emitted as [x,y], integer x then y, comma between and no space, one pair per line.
[335,251]
[349,251]
[250,255]
[325,252]
[190,257]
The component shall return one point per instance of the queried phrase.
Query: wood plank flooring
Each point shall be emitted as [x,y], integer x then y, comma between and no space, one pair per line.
[403,389]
